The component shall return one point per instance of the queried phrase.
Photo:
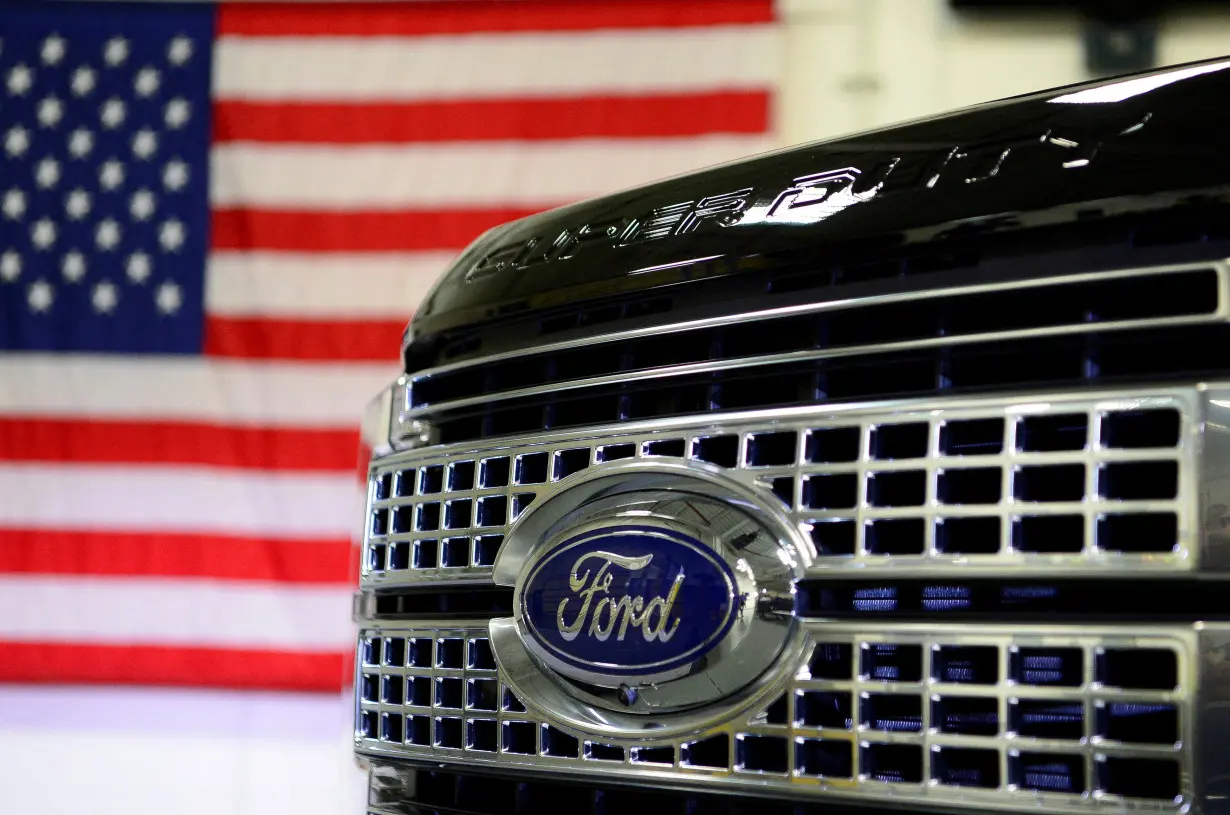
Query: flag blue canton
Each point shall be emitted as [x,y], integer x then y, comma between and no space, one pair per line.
[104,151]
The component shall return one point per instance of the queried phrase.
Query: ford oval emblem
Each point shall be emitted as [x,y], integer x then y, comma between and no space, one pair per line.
[628,600]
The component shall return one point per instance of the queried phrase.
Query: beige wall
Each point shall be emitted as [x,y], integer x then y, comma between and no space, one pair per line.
[856,64]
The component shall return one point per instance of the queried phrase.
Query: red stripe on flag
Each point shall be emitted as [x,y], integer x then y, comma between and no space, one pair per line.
[152,442]
[159,554]
[378,231]
[401,19]
[315,340]
[87,663]
[491,120]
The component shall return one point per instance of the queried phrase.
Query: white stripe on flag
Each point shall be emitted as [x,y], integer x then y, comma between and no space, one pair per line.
[174,612]
[337,286]
[454,175]
[180,499]
[386,69]
[290,394]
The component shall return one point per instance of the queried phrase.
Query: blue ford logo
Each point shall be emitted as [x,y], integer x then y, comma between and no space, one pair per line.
[629,601]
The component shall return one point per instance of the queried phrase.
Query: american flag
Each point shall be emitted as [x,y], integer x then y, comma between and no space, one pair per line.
[215,221]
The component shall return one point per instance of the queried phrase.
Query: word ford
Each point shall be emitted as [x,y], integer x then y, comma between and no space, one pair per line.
[608,612]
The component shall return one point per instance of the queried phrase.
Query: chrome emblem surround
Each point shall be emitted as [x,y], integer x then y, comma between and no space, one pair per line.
[741,553]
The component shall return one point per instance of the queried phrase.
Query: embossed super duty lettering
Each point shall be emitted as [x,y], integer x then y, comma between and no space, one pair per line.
[609,612]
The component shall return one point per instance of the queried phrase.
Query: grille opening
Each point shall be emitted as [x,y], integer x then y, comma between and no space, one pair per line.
[966,715]
[367,688]
[449,693]
[494,472]
[893,713]
[897,489]
[771,449]
[380,522]
[418,691]
[455,553]
[399,556]
[418,730]
[783,488]
[1141,429]
[557,743]
[758,337]
[898,536]
[823,709]
[777,713]
[962,767]
[824,758]
[481,657]
[369,724]
[894,441]
[1138,532]
[574,412]
[376,554]
[1048,772]
[512,703]
[603,752]
[832,446]
[483,735]
[713,752]
[1048,719]
[518,419]
[1048,533]
[419,652]
[834,537]
[966,664]
[669,400]
[946,598]
[403,519]
[425,553]
[1048,666]
[1046,484]
[427,517]
[383,486]
[390,727]
[431,479]
[568,462]
[830,491]
[458,514]
[532,468]
[653,755]
[492,510]
[519,737]
[450,653]
[403,486]
[750,391]
[461,476]
[521,502]
[892,763]
[892,663]
[1140,777]
[720,450]
[449,732]
[972,437]
[766,754]
[615,452]
[394,651]
[391,690]
[482,694]
[1138,723]
[1001,365]
[981,485]
[1139,480]
[674,448]
[967,536]
[486,547]
[371,651]
[1138,668]
[1052,434]
[832,660]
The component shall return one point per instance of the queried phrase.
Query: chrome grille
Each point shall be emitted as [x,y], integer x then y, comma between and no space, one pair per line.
[999,716]
[1047,483]
[1079,328]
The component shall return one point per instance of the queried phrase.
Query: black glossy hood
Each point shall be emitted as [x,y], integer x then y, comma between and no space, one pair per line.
[1145,142]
